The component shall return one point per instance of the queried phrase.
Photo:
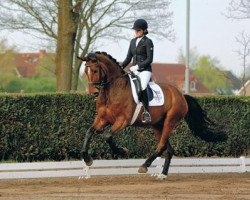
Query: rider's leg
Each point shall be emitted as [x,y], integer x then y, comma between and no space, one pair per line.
[145,78]
[143,97]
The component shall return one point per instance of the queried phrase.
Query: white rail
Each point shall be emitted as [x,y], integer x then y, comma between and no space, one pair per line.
[121,167]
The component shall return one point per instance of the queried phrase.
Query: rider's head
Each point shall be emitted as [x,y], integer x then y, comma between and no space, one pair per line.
[141,27]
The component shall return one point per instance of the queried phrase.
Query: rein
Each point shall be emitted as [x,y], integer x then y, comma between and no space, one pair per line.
[109,82]
[101,84]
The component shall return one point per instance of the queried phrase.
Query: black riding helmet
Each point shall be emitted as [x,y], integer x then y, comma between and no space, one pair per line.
[140,24]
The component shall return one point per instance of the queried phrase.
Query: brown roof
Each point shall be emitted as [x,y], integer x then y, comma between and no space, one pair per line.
[26,63]
[175,74]
[171,73]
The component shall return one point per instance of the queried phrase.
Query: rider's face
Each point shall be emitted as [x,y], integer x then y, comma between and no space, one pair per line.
[138,33]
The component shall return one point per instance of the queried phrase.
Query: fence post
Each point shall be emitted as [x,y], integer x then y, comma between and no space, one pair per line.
[243,164]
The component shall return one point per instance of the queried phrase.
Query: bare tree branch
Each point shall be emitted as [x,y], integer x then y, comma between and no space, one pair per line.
[238,9]
[95,20]
[101,15]
[32,15]
[243,40]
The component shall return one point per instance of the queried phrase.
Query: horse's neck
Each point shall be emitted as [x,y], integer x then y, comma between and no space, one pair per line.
[117,92]
[114,72]
[113,69]
[118,88]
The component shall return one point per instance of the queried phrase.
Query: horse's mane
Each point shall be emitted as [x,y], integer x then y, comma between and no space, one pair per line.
[109,57]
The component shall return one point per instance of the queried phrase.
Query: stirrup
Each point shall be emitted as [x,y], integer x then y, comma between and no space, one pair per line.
[146,118]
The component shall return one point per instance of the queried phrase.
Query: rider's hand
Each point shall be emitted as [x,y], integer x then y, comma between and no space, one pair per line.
[134,68]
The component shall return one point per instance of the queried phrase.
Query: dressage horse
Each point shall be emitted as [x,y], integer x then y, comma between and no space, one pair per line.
[115,107]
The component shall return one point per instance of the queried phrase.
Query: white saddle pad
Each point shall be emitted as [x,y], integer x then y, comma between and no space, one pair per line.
[158,99]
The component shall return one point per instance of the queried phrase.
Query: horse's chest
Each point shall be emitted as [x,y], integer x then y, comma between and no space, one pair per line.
[111,113]
[106,113]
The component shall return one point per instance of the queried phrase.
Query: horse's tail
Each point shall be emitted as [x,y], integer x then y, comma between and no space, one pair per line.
[200,124]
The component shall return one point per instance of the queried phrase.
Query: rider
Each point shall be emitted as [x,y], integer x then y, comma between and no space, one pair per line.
[141,50]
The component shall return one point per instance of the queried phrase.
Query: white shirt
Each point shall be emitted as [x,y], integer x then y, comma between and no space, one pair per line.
[138,40]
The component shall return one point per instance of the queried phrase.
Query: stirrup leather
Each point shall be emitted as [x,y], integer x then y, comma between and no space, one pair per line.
[146,118]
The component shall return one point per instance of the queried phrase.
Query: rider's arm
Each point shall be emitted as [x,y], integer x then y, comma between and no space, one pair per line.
[150,54]
[128,58]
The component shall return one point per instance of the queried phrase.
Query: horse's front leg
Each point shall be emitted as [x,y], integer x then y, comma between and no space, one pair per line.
[116,150]
[84,152]
[98,127]
[117,126]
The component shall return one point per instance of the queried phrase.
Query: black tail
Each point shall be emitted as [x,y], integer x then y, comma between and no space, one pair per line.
[200,124]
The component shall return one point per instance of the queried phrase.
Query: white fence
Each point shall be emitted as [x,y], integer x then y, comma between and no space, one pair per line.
[121,167]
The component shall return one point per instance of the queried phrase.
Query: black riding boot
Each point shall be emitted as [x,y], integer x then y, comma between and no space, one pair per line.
[146,118]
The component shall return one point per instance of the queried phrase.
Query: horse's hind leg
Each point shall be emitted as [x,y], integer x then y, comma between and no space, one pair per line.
[169,155]
[148,162]
[157,132]
[169,124]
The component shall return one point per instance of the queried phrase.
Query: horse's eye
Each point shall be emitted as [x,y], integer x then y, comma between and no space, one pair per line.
[94,71]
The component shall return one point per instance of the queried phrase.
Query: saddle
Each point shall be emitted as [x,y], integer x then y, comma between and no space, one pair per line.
[155,93]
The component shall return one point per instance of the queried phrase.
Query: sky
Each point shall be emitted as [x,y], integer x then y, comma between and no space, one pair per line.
[211,33]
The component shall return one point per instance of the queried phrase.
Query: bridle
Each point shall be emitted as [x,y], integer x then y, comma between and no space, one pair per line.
[103,82]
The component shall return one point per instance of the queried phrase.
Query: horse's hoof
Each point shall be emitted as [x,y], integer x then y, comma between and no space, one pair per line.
[142,169]
[89,162]
[161,177]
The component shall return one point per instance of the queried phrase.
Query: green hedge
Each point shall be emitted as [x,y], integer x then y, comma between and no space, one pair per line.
[52,127]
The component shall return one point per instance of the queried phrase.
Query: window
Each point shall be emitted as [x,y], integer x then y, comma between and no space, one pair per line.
[193,86]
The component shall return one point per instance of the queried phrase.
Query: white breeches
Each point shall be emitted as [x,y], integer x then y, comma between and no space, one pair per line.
[145,77]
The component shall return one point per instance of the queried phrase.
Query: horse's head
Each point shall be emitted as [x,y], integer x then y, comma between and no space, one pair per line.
[100,69]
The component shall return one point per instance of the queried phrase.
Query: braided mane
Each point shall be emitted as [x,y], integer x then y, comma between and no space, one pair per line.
[109,56]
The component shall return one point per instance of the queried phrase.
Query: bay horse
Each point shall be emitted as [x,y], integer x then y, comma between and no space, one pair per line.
[115,107]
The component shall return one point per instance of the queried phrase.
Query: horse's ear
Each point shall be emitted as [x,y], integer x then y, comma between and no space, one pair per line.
[82,59]
[92,57]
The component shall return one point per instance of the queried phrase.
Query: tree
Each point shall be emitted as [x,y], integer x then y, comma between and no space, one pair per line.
[208,71]
[248,72]
[46,66]
[7,63]
[7,58]
[238,9]
[82,25]
[193,54]
[66,36]
[243,40]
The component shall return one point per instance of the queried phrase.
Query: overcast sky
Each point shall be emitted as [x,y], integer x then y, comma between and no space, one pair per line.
[210,32]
